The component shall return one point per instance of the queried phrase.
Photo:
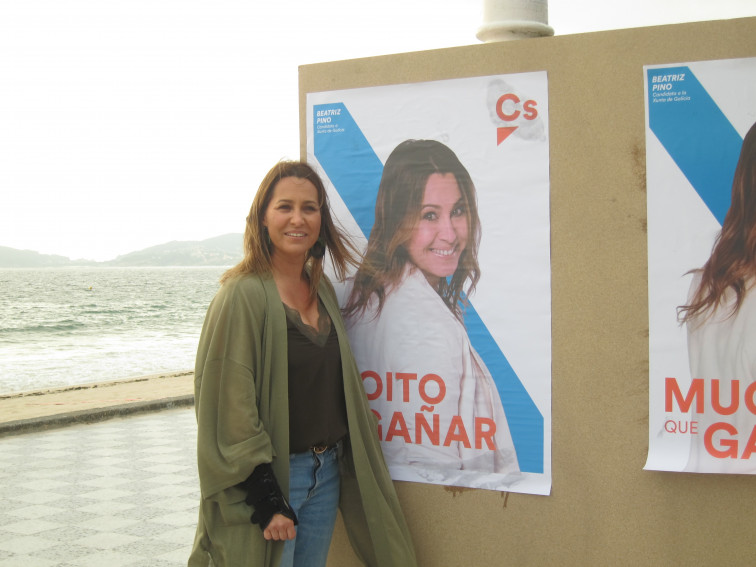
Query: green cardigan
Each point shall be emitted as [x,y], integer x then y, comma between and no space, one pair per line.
[241,402]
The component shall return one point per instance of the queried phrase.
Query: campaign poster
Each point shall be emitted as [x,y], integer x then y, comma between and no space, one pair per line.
[701,176]
[444,186]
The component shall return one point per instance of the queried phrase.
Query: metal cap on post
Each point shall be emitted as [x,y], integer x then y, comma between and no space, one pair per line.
[504,20]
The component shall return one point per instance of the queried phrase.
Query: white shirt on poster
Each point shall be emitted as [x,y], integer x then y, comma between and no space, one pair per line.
[415,344]
[723,346]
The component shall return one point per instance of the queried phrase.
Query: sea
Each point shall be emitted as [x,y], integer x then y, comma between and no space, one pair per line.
[76,325]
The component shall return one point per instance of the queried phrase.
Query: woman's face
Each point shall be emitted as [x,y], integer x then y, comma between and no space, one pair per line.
[293,217]
[440,236]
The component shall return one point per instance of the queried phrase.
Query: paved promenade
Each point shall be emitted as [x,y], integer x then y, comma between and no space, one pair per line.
[99,476]
[54,407]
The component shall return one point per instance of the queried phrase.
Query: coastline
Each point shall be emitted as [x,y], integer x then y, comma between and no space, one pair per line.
[21,412]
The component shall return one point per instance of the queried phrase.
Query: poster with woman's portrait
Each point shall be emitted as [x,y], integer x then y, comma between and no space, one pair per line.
[701,181]
[444,187]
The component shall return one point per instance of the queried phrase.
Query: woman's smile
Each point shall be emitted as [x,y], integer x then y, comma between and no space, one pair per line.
[444,252]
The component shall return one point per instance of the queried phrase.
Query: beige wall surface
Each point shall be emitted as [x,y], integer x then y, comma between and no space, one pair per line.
[604,509]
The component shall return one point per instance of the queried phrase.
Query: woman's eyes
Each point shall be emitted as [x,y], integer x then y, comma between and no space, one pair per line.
[306,208]
[458,211]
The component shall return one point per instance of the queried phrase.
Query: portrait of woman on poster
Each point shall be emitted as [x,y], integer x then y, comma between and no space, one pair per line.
[720,315]
[285,435]
[404,314]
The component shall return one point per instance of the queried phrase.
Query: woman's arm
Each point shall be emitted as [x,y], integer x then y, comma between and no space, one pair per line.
[231,438]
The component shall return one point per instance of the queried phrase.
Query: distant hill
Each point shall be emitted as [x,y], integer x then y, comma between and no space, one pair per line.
[219,251]
[13,258]
[225,250]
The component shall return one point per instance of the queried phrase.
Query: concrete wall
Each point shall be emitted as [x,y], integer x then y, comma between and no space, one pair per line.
[604,509]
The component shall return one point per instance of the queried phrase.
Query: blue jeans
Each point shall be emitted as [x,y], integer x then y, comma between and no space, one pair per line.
[314,495]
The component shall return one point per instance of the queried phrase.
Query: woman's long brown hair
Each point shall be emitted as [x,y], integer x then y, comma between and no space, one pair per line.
[732,263]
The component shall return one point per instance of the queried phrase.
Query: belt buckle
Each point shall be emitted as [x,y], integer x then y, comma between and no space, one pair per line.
[319,449]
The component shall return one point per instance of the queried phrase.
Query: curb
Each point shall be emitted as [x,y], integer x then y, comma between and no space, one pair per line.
[91,415]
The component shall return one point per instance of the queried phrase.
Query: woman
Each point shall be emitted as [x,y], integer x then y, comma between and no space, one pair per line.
[285,434]
[721,312]
[440,412]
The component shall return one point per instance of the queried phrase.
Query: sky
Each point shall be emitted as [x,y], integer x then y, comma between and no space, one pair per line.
[129,123]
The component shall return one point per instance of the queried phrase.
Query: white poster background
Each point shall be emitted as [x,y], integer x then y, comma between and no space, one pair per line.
[513,296]
[681,233]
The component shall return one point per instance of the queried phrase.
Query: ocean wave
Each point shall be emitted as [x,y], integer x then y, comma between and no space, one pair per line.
[95,310]
[63,326]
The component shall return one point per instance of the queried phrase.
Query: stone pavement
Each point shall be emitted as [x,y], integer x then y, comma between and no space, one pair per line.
[111,493]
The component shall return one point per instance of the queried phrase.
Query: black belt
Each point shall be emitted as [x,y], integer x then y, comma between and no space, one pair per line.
[322,447]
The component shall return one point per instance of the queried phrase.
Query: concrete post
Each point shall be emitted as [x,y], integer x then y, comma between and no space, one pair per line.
[505,20]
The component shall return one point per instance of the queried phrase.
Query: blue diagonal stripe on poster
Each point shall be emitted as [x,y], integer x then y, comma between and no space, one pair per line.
[348,160]
[696,134]
[355,171]
[524,419]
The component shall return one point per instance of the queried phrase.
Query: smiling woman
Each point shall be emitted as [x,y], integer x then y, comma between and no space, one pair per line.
[275,380]
[439,408]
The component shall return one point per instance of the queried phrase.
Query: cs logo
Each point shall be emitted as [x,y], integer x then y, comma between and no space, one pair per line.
[512,110]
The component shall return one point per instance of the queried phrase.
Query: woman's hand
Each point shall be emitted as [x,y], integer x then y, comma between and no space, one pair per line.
[280,528]
[269,506]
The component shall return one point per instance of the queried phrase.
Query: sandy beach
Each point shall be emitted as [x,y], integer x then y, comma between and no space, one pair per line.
[54,407]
